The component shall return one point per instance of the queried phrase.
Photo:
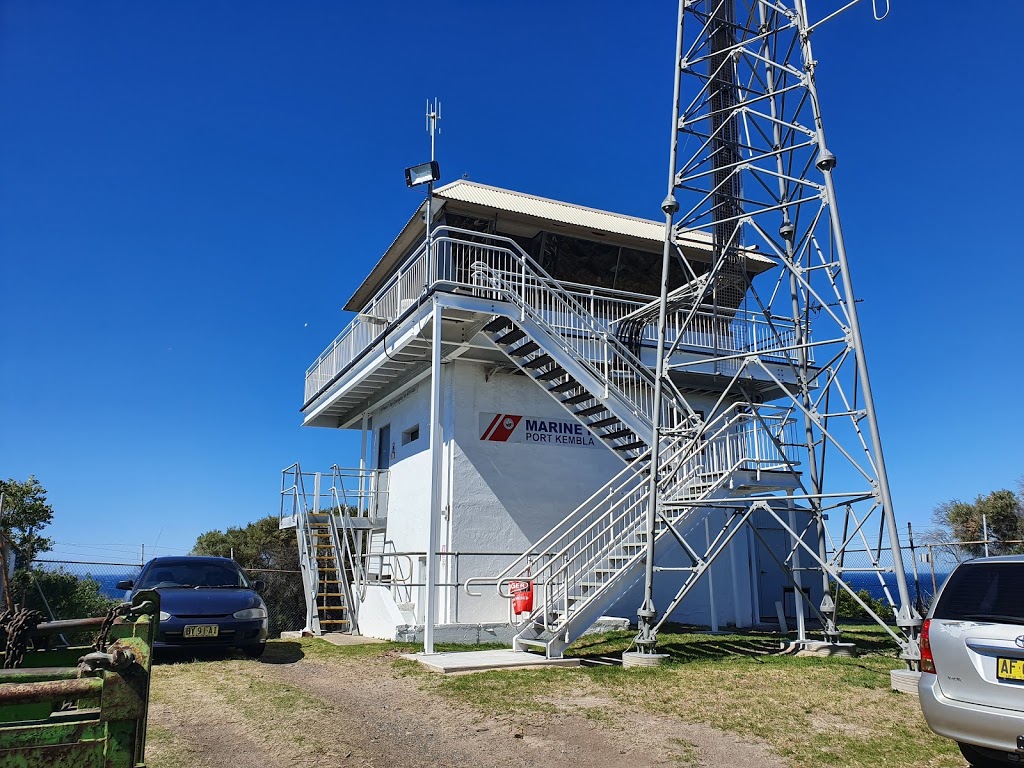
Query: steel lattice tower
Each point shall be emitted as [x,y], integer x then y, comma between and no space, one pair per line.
[750,169]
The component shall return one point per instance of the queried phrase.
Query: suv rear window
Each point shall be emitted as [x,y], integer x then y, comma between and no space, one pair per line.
[981,591]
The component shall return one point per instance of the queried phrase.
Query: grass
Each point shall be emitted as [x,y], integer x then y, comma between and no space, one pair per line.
[813,711]
[826,712]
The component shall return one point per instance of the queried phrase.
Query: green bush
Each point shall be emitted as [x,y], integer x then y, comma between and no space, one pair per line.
[848,608]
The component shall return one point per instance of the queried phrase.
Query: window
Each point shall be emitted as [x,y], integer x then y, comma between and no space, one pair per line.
[980,591]
[412,433]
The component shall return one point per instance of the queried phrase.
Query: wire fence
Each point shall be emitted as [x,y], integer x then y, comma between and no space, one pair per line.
[70,589]
[67,589]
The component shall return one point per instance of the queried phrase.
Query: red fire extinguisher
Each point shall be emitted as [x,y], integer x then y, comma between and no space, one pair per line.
[522,596]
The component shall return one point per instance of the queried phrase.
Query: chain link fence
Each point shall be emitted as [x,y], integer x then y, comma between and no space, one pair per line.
[69,589]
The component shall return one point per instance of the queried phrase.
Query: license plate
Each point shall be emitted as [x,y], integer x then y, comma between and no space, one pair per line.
[1010,669]
[201,630]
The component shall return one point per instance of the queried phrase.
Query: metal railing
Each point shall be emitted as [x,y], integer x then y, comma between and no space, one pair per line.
[569,555]
[451,267]
[350,493]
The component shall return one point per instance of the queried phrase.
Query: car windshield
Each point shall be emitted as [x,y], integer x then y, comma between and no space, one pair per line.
[187,573]
[983,592]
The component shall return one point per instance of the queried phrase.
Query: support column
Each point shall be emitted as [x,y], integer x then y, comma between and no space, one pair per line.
[798,591]
[436,389]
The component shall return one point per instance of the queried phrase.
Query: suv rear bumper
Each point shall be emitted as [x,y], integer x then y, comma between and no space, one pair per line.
[975,724]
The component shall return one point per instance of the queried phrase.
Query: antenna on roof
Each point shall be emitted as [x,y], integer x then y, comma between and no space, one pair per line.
[433,116]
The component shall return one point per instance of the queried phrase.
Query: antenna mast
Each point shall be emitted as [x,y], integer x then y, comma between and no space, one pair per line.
[752,218]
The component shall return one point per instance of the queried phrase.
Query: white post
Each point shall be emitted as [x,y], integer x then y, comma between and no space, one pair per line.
[710,578]
[363,485]
[984,528]
[798,592]
[430,615]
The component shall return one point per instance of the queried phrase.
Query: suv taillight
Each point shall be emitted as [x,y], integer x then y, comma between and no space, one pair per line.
[927,662]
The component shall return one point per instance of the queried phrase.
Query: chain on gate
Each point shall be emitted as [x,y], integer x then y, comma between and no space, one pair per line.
[16,628]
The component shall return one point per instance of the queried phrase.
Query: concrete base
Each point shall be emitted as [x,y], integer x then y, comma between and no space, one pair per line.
[480,661]
[817,648]
[904,681]
[475,634]
[635,659]
[297,635]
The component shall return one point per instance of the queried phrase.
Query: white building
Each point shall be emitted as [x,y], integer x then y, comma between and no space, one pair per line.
[527,329]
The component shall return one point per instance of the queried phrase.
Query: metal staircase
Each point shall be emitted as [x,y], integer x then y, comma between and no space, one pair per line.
[334,526]
[572,354]
[590,559]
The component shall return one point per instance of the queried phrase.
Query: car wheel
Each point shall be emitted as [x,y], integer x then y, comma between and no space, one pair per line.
[254,651]
[976,757]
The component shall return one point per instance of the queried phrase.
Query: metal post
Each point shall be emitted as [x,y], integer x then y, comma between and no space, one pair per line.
[913,564]
[984,531]
[364,505]
[646,639]
[430,614]
[710,577]
[798,591]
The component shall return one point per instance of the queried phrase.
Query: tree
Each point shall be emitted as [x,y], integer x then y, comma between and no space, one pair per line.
[25,513]
[270,554]
[1003,513]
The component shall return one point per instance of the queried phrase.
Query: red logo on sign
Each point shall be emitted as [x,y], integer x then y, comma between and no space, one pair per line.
[501,427]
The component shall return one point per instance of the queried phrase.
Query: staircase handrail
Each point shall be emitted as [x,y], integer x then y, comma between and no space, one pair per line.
[634,474]
[562,301]
[299,504]
[693,465]
[562,578]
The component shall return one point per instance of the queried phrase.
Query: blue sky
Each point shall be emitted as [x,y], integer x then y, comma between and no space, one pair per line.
[191,191]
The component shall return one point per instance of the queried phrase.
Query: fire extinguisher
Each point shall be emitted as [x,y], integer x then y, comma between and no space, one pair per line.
[522,596]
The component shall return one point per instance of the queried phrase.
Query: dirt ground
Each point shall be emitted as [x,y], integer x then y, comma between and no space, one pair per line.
[297,710]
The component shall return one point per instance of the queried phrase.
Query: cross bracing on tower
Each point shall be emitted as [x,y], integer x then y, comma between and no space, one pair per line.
[751,172]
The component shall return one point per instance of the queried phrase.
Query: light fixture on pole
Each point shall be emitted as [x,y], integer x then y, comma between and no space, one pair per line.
[422,174]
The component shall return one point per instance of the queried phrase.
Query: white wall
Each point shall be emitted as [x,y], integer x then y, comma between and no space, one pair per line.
[507,495]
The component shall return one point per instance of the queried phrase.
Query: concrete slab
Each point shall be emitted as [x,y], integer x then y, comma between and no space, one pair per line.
[340,638]
[480,661]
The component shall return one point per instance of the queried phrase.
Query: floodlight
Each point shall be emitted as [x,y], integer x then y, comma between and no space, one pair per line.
[421,174]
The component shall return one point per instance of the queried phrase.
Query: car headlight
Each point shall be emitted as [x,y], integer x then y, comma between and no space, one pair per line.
[251,613]
[164,615]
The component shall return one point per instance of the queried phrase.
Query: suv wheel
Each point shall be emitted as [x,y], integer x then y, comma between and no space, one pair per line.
[979,758]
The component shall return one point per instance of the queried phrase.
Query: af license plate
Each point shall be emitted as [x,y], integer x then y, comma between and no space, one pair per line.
[201,630]
[1010,669]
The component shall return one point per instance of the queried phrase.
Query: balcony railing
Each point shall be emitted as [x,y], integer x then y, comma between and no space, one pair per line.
[457,255]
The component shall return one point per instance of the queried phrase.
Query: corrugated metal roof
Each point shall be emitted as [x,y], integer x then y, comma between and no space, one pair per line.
[552,210]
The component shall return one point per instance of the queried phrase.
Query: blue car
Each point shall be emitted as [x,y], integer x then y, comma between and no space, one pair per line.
[205,603]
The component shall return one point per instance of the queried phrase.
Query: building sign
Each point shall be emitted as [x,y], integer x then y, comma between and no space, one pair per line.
[533,430]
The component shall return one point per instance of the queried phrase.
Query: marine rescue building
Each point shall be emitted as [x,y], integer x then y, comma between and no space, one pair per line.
[526,326]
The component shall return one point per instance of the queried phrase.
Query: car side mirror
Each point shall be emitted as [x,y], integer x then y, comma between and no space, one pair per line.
[259,585]
[124,584]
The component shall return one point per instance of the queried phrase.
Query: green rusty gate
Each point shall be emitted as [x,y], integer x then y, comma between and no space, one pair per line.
[77,707]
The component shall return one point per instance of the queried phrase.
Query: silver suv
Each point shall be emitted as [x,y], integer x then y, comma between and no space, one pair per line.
[972,661]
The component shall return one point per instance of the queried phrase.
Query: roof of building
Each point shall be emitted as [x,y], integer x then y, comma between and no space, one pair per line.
[530,207]
[552,210]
